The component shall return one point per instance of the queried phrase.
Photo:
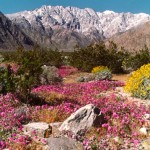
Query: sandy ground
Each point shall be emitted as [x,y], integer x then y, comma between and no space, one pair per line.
[72,78]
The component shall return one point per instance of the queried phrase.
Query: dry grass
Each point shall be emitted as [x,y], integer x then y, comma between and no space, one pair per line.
[49,116]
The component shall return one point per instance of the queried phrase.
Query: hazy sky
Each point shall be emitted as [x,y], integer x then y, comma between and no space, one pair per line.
[134,6]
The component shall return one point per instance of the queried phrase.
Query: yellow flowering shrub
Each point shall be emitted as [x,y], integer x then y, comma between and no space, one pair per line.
[102,73]
[99,69]
[138,83]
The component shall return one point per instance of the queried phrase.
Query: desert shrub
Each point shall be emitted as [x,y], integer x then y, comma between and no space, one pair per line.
[7,80]
[138,83]
[136,60]
[30,69]
[44,56]
[99,69]
[86,58]
[50,75]
[102,73]
[98,55]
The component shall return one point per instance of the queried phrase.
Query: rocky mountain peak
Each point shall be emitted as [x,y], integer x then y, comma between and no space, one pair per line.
[52,22]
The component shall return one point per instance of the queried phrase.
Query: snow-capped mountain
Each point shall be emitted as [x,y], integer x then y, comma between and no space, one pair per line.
[68,26]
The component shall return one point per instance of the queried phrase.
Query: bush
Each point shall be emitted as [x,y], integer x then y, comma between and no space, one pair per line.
[96,55]
[8,80]
[44,56]
[138,83]
[99,69]
[102,73]
[29,71]
[50,75]
[135,61]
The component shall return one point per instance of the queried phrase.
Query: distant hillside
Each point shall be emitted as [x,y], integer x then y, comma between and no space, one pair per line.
[135,38]
[11,36]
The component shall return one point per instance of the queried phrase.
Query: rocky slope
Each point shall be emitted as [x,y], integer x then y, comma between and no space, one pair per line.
[66,27]
[135,38]
[11,36]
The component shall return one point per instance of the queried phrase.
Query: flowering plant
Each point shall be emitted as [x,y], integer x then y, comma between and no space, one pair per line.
[138,83]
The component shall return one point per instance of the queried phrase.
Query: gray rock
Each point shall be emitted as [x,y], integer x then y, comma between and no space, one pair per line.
[86,78]
[80,79]
[83,119]
[143,131]
[62,143]
[39,129]
[147,116]
[89,78]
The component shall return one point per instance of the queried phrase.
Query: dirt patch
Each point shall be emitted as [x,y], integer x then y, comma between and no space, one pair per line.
[120,77]
[72,78]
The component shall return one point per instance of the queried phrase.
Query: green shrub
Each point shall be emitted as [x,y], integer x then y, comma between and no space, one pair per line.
[29,72]
[136,60]
[98,55]
[103,75]
[44,56]
[8,80]
[99,69]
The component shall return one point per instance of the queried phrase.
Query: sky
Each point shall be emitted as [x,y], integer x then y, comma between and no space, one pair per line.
[134,6]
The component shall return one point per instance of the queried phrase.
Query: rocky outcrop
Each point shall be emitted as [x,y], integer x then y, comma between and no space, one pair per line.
[62,143]
[52,137]
[83,119]
[39,129]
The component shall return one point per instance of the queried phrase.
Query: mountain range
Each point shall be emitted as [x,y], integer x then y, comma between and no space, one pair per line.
[65,27]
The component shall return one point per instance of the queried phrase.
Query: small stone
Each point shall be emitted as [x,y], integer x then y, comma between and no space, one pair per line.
[143,131]
[147,116]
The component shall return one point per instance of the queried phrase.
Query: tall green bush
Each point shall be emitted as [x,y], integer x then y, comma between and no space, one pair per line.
[136,60]
[98,55]
[30,68]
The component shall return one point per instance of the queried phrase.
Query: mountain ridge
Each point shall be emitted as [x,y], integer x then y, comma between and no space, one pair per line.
[65,27]
[11,37]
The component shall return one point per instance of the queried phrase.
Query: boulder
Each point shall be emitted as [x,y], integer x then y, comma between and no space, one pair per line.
[62,143]
[39,129]
[147,116]
[83,119]
[143,131]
